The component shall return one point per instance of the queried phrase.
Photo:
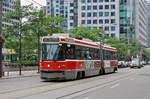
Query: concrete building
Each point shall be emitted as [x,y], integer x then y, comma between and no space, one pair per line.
[148,24]
[8,6]
[133,20]
[141,21]
[103,14]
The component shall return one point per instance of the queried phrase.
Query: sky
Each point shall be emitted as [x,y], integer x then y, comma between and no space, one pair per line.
[27,2]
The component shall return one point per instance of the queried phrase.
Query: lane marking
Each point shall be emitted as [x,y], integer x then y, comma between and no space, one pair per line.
[115,85]
[132,79]
[37,89]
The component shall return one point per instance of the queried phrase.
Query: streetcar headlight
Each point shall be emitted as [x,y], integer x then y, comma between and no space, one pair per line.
[48,65]
[58,65]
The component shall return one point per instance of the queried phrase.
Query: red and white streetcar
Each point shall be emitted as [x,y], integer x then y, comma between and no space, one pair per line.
[64,57]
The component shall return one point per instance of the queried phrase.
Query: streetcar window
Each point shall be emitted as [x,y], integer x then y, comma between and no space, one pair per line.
[91,53]
[78,52]
[52,52]
[70,52]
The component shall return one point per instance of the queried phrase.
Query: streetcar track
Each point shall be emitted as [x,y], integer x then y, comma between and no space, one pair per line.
[104,85]
[53,83]
[74,84]
[5,92]
[98,85]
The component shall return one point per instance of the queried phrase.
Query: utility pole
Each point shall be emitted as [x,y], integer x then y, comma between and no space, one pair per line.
[1,4]
[20,36]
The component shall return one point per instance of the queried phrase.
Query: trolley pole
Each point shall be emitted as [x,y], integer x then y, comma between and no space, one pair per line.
[101,52]
[1,41]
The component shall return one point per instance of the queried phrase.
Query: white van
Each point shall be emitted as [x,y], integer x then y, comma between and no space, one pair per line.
[136,63]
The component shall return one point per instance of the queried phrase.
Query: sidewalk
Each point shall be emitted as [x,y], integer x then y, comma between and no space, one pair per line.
[15,74]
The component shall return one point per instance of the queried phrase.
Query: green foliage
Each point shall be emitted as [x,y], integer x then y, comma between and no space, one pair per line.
[36,24]
[83,32]
[126,51]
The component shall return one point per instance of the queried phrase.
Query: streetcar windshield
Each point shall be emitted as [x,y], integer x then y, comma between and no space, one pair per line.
[52,52]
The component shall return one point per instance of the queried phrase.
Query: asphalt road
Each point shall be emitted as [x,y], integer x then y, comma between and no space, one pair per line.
[125,84]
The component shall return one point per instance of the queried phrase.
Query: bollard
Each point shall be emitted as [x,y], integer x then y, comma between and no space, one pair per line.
[3,66]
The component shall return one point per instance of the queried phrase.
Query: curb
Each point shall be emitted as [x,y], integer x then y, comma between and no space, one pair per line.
[22,76]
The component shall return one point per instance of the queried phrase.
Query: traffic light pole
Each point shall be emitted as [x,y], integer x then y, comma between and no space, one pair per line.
[1,4]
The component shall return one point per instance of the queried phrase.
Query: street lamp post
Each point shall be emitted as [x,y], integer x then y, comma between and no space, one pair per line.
[1,4]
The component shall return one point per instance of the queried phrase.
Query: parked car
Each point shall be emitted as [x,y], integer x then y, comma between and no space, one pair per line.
[121,64]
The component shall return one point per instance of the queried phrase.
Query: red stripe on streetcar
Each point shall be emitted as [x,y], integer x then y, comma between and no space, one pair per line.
[85,43]
[109,48]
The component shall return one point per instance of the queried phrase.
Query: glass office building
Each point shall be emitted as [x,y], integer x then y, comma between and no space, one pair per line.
[127,19]
[133,20]
[103,14]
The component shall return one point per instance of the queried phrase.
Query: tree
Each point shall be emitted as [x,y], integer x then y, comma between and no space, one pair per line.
[14,32]
[84,32]
[41,25]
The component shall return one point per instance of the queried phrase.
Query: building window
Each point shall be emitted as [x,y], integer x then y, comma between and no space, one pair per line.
[101,28]
[88,14]
[113,14]
[106,0]
[94,27]
[71,24]
[57,1]
[71,17]
[88,7]
[89,28]
[94,7]
[113,7]
[57,10]
[71,11]
[57,6]
[95,1]
[88,21]
[82,21]
[112,0]
[106,6]
[113,35]
[106,13]
[113,21]
[94,14]
[83,7]
[113,28]
[94,21]
[83,14]
[71,4]
[100,0]
[106,28]
[100,21]
[100,6]
[83,1]
[100,13]
[48,3]
[88,1]
[106,21]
